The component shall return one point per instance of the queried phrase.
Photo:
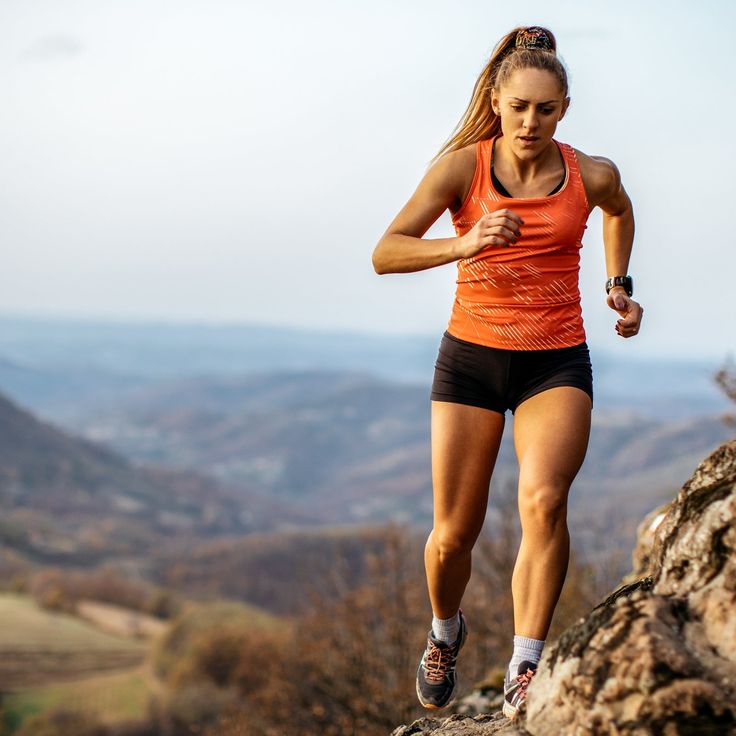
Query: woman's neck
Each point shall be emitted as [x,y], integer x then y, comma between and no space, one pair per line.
[547,164]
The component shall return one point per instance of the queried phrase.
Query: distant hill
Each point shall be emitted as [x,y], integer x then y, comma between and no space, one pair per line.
[279,571]
[67,500]
[232,429]
[355,449]
[62,368]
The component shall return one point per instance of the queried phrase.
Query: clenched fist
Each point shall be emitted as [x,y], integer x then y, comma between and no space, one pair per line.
[496,228]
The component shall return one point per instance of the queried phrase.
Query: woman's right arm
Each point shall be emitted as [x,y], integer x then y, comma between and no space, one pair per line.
[402,249]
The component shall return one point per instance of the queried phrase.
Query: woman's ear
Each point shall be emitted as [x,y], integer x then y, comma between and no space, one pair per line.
[494,102]
[565,105]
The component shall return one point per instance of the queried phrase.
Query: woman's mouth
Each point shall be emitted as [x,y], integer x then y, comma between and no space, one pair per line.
[528,138]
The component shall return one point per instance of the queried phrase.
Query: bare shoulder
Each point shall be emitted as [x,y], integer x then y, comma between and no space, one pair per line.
[456,169]
[601,177]
[444,186]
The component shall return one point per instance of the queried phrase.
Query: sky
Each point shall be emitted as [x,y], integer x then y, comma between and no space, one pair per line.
[235,161]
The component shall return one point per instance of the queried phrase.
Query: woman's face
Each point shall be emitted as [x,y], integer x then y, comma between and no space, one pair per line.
[530,104]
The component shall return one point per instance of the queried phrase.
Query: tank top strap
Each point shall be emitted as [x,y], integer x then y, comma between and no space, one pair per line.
[484,151]
[481,190]
[481,185]
[575,179]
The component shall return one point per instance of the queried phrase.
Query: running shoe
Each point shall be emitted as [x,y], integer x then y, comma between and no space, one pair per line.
[514,688]
[436,679]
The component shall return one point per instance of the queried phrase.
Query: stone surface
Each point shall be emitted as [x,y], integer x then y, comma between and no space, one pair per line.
[658,656]
[458,725]
[479,702]
[641,558]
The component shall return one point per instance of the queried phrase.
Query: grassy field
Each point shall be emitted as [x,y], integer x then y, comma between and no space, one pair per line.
[38,647]
[49,659]
[113,697]
[120,621]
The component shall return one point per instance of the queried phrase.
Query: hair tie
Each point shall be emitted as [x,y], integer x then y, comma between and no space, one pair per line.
[533,37]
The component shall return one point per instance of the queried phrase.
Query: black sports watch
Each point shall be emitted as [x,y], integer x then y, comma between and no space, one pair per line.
[626,281]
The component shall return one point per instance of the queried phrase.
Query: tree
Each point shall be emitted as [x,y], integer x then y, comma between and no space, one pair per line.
[725,379]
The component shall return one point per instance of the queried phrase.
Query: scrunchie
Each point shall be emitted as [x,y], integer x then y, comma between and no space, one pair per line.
[533,37]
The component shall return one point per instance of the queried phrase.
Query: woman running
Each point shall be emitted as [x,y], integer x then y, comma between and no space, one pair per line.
[515,340]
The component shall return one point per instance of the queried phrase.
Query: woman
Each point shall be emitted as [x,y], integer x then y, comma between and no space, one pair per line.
[515,340]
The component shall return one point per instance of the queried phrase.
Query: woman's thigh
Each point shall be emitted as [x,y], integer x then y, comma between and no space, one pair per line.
[465,442]
[551,431]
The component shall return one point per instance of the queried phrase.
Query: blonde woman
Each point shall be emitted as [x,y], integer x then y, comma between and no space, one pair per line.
[515,340]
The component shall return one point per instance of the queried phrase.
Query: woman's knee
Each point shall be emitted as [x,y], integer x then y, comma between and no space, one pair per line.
[544,502]
[453,542]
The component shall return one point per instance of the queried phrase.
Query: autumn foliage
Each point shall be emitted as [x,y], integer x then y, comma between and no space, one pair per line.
[347,666]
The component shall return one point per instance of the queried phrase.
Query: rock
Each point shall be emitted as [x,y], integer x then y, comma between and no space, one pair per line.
[486,697]
[642,555]
[458,725]
[479,702]
[658,655]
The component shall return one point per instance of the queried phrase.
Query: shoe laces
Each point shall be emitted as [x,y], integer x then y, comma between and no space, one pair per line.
[438,660]
[524,679]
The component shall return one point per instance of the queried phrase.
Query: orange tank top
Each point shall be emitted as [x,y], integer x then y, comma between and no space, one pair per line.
[523,296]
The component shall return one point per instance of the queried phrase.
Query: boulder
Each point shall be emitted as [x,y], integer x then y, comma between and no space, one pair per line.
[659,654]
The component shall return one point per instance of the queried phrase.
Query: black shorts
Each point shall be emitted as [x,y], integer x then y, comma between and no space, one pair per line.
[498,379]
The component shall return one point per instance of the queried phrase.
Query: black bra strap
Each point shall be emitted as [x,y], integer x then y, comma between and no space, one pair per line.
[501,189]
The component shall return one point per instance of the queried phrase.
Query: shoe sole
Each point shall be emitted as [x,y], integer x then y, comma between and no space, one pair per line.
[509,711]
[431,706]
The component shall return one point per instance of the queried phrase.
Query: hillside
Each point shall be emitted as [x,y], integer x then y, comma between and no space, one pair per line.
[267,453]
[60,669]
[38,646]
[353,448]
[67,500]
[279,571]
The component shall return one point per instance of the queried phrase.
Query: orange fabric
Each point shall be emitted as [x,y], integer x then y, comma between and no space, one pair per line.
[524,296]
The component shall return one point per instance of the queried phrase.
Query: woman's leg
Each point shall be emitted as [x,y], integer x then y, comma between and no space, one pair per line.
[551,431]
[465,441]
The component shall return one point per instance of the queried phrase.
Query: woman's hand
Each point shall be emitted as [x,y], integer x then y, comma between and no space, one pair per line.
[630,311]
[496,228]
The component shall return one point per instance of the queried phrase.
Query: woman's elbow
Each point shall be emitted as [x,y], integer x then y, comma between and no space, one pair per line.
[379,266]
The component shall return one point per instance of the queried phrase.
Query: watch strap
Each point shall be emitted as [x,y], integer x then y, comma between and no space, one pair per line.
[626,281]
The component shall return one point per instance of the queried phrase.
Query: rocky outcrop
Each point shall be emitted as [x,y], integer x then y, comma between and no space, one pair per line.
[658,656]
[459,725]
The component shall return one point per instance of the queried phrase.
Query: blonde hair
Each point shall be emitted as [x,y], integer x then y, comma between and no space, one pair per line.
[479,121]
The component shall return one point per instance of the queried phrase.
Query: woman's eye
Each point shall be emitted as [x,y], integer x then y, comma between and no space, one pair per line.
[548,111]
[518,108]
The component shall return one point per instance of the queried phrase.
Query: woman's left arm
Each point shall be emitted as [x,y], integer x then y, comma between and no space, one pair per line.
[603,184]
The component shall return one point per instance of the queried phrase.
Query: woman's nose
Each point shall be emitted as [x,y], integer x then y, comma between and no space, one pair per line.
[530,121]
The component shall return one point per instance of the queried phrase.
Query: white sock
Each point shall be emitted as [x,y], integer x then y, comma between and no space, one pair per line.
[525,648]
[446,629]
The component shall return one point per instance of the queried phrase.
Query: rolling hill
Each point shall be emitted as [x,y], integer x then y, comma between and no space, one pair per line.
[66,500]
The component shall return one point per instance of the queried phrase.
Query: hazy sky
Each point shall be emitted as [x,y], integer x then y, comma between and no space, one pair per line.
[238,161]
